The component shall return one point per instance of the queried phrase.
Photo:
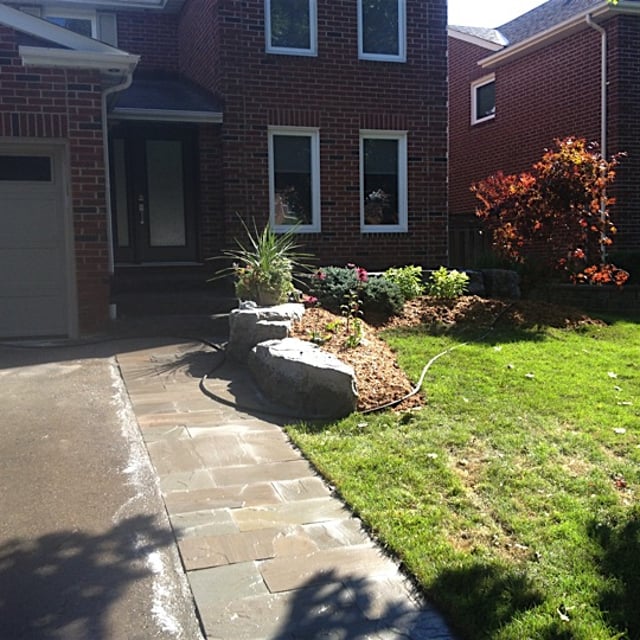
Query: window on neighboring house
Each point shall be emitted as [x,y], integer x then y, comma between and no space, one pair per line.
[294,179]
[382,30]
[291,27]
[383,181]
[483,99]
[92,24]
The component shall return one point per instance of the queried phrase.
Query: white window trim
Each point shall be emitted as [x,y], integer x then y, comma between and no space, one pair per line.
[401,56]
[57,12]
[314,135]
[403,193]
[475,85]
[292,51]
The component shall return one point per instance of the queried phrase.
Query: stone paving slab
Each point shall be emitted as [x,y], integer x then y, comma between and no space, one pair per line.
[269,552]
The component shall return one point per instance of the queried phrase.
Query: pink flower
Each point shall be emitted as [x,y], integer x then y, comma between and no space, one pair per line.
[362,274]
[321,275]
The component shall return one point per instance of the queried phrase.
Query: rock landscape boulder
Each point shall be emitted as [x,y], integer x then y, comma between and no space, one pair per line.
[302,377]
[250,324]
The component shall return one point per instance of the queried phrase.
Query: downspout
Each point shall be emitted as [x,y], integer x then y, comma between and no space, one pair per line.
[125,84]
[604,81]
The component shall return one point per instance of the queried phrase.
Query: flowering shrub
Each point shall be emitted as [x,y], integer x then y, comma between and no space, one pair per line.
[555,216]
[335,286]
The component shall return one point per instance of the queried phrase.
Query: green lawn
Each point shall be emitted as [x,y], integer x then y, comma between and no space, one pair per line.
[512,496]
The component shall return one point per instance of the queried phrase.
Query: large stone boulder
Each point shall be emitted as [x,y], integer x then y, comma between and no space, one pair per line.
[250,324]
[304,378]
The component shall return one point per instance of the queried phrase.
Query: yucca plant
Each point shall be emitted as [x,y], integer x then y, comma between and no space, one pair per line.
[263,265]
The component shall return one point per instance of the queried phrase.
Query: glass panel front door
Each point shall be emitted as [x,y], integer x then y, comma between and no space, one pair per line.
[153,195]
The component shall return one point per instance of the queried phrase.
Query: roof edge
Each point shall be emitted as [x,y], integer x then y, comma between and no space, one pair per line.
[452,32]
[166,115]
[35,26]
[552,34]
[113,61]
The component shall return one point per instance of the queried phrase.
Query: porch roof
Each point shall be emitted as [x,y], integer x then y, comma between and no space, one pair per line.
[162,97]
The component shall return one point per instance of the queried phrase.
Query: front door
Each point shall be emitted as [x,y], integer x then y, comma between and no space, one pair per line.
[153,194]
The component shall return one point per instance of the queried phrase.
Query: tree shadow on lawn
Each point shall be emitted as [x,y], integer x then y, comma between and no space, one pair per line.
[619,563]
[485,597]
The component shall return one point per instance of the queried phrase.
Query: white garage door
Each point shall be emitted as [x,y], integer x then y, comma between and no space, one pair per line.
[35,266]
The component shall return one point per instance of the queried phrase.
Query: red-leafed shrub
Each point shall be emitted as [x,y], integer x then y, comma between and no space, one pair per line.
[556,216]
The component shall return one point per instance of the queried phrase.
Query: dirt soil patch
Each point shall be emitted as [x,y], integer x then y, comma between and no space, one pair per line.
[380,380]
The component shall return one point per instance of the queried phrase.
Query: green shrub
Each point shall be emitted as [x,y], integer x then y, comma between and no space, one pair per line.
[381,297]
[408,279]
[447,284]
[335,286]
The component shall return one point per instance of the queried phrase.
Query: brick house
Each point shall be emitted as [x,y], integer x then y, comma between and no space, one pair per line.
[544,75]
[134,132]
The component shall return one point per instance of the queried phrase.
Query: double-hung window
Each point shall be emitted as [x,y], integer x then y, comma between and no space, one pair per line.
[382,30]
[291,27]
[294,179]
[383,181]
[483,99]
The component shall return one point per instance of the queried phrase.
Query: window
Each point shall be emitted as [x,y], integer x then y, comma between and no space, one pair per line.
[82,23]
[483,99]
[100,25]
[383,181]
[294,179]
[381,30]
[290,27]
[25,168]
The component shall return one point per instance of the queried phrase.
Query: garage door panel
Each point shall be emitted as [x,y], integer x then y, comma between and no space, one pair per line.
[27,316]
[30,221]
[34,252]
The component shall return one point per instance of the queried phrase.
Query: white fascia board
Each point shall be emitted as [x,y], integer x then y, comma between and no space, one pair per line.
[554,34]
[479,42]
[166,115]
[110,4]
[113,61]
[32,25]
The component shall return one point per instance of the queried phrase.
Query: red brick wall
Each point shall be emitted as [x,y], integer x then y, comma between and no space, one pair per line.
[551,93]
[65,104]
[341,95]
[624,135]
[152,35]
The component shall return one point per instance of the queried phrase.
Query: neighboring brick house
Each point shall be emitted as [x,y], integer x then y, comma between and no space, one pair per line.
[516,88]
[332,115]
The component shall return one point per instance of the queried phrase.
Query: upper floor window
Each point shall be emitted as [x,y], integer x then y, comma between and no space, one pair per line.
[100,25]
[483,99]
[382,30]
[291,27]
[294,178]
[383,181]
[82,23]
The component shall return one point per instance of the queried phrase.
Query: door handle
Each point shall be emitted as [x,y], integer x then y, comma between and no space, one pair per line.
[141,209]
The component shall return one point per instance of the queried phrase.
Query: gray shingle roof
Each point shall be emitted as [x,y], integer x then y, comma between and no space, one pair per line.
[490,35]
[544,17]
[168,92]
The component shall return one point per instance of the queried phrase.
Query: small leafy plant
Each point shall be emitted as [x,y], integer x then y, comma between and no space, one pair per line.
[351,310]
[408,279]
[263,265]
[447,285]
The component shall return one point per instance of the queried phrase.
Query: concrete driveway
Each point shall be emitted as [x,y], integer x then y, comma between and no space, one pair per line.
[86,549]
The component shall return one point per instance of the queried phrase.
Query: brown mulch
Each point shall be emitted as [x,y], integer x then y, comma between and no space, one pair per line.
[379,378]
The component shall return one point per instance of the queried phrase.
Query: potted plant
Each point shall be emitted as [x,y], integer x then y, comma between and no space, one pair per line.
[263,265]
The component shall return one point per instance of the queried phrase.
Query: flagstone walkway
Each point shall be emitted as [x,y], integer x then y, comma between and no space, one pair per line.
[268,550]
